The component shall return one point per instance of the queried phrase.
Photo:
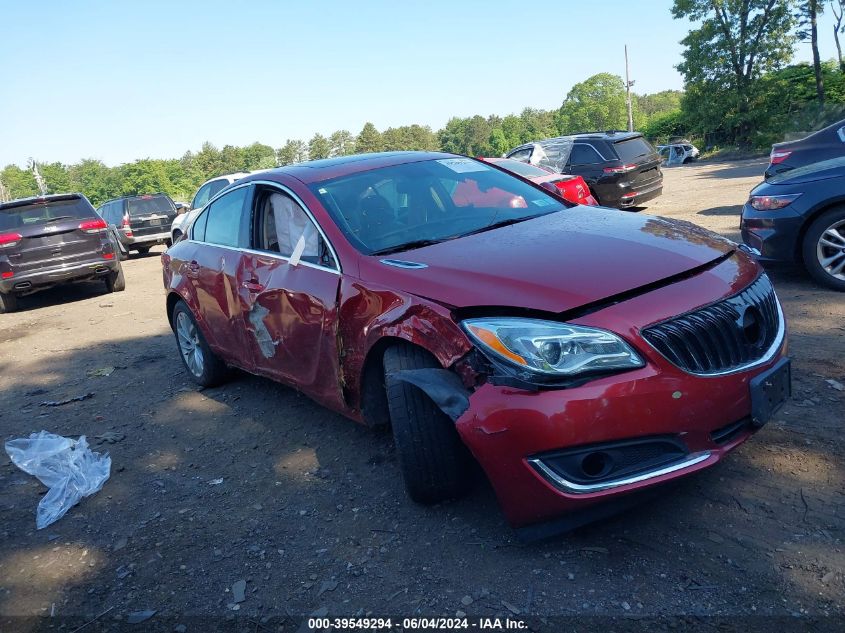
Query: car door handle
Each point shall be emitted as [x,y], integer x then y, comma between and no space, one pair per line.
[193,269]
[253,286]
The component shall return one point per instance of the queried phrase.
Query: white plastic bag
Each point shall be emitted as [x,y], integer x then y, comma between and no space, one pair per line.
[67,467]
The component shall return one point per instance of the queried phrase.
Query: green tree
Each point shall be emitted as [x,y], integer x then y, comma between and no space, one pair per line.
[806,16]
[293,151]
[19,183]
[659,102]
[368,140]
[736,42]
[318,147]
[341,143]
[56,177]
[597,103]
[257,156]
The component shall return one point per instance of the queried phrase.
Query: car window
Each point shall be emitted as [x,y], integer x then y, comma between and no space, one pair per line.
[521,155]
[633,148]
[39,212]
[433,201]
[148,205]
[282,226]
[222,220]
[207,192]
[583,154]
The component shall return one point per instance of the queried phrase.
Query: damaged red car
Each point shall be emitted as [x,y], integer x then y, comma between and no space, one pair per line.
[580,356]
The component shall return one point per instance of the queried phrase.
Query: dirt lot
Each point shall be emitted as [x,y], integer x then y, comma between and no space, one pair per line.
[311,512]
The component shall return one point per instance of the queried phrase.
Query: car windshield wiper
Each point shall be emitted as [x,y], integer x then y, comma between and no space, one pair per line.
[61,217]
[406,246]
[501,223]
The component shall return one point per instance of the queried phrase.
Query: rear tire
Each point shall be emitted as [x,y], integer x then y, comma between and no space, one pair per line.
[435,463]
[115,282]
[143,250]
[8,303]
[827,226]
[203,365]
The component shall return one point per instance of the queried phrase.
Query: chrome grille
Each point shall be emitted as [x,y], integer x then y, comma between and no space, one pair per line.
[726,336]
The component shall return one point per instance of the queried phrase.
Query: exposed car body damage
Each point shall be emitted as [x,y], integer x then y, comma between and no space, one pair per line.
[323,327]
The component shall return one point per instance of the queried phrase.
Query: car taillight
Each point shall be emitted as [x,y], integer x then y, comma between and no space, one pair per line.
[7,275]
[619,170]
[93,226]
[108,255]
[125,227]
[9,239]
[778,156]
[771,203]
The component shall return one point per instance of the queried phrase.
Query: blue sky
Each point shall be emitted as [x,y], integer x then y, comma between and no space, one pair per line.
[124,80]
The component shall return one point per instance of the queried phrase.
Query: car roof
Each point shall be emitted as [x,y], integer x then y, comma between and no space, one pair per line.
[609,135]
[20,202]
[313,171]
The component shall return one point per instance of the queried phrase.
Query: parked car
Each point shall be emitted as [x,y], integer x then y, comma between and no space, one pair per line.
[479,315]
[822,145]
[139,222]
[622,169]
[678,153]
[50,240]
[207,190]
[798,216]
[572,188]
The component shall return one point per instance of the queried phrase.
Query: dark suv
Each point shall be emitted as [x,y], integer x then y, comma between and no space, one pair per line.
[140,222]
[53,239]
[622,169]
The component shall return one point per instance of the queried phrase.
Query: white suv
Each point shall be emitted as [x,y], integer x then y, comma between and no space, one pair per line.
[206,192]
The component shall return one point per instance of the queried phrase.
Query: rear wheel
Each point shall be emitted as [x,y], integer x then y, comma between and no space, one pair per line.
[8,302]
[204,366]
[823,249]
[115,282]
[143,250]
[435,463]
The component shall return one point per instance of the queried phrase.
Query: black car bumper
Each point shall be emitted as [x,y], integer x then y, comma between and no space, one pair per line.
[773,234]
[622,198]
[50,275]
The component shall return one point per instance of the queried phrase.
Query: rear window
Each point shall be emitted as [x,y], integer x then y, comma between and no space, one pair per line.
[147,205]
[633,148]
[522,169]
[40,212]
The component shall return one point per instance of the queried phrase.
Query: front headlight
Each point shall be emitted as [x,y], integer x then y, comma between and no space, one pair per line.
[550,348]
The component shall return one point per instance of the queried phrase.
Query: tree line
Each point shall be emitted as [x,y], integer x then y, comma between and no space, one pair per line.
[740,90]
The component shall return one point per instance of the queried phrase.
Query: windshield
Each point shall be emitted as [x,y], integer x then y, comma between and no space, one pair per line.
[522,169]
[16,217]
[392,208]
[147,205]
[831,163]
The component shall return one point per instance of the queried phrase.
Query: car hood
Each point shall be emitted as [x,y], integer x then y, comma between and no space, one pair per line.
[553,263]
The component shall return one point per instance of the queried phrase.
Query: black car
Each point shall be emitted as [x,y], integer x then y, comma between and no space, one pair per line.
[622,169]
[53,239]
[140,222]
[822,145]
[799,216]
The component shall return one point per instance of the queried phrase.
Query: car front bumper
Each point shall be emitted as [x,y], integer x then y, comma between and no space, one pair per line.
[510,432]
[774,234]
[49,275]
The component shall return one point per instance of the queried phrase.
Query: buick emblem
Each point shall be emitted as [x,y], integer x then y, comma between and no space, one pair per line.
[752,326]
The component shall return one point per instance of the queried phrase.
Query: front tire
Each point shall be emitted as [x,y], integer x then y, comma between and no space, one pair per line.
[435,463]
[8,303]
[203,365]
[823,249]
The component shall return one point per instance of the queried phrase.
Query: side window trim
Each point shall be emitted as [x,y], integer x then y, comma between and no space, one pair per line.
[207,206]
[286,191]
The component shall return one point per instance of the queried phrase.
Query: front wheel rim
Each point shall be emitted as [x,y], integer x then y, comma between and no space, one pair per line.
[830,250]
[187,337]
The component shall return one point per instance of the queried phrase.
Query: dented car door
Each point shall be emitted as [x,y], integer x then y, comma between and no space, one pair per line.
[288,286]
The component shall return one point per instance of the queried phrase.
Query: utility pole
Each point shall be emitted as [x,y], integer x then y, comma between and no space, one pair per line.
[4,194]
[628,84]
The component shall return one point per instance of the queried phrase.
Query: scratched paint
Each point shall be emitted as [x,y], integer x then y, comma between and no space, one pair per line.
[266,344]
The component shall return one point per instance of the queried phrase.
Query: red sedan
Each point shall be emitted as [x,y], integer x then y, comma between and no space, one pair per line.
[572,188]
[578,355]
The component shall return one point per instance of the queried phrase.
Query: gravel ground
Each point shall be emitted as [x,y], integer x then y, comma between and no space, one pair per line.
[252,483]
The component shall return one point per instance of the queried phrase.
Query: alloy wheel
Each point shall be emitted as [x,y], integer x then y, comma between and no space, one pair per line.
[189,344]
[831,250]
